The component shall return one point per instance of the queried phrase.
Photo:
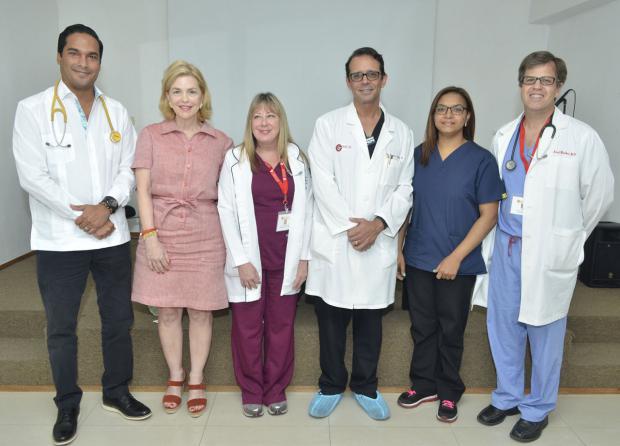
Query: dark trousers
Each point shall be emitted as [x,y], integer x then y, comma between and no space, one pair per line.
[438,310]
[333,323]
[62,280]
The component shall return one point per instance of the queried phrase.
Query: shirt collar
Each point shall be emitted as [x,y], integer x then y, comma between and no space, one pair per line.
[170,126]
[63,91]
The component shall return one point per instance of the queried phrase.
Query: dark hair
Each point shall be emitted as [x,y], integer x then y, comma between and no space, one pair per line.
[541,58]
[431,134]
[78,28]
[366,51]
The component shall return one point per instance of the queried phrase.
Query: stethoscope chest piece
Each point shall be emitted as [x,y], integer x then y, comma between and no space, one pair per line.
[115,136]
[511,165]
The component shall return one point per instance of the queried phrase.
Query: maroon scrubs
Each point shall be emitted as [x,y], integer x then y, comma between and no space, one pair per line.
[262,331]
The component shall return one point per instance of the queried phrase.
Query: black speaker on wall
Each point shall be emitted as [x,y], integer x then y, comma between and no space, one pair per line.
[601,264]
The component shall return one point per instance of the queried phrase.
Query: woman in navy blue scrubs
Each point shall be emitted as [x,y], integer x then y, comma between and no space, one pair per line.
[457,189]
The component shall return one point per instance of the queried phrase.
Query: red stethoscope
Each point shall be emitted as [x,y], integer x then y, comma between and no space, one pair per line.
[511,164]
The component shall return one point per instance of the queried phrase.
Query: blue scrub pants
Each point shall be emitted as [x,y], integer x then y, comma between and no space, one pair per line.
[508,338]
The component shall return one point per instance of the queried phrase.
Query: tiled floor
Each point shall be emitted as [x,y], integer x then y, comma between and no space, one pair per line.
[26,418]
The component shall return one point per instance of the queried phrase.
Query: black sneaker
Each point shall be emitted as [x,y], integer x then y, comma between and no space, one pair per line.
[447,411]
[411,399]
[65,428]
[127,406]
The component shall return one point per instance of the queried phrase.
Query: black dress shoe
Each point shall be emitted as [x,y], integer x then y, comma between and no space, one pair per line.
[526,431]
[65,428]
[491,415]
[126,405]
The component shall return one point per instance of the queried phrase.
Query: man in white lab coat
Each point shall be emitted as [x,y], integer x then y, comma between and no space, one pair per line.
[73,150]
[558,184]
[362,165]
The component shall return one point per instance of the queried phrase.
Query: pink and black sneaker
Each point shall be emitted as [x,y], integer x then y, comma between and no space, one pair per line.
[411,399]
[447,411]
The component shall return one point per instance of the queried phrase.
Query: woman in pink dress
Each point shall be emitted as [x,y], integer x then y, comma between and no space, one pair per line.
[181,253]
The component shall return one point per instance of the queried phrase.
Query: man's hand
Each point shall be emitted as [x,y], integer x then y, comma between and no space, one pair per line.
[363,236]
[93,217]
[248,276]
[104,231]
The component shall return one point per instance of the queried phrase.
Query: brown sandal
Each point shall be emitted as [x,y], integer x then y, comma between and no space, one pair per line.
[172,399]
[195,403]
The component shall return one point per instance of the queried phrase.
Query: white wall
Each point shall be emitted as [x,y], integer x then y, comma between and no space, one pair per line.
[589,44]
[551,11]
[28,66]
[135,39]
[298,49]
[479,45]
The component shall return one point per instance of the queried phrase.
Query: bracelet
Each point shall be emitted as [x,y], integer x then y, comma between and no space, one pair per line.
[148,233]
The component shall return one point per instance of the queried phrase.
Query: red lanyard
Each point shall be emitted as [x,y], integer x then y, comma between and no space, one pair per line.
[282,184]
[526,163]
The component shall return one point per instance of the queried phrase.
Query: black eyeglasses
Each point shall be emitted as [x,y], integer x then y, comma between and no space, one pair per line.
[457,109]
[547,81]
[359,75]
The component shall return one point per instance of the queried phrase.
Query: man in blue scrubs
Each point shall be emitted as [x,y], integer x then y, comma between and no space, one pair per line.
[559,185]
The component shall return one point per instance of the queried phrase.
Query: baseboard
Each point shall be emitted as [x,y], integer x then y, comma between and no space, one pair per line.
[310,389]
[15,260]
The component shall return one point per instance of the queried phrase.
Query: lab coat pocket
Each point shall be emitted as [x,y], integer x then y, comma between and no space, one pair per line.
[388,250]
[392,166]
[322,244]
[565,249]
[58,154]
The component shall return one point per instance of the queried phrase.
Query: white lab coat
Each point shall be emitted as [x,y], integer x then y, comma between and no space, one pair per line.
[568,188]
[91,168]
[236,209]
[348,183]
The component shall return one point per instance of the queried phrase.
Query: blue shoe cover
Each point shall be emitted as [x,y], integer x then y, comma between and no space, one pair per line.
[376,408]
[322,406]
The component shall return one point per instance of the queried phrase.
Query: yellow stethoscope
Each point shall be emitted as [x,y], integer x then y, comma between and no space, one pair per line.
[115,136]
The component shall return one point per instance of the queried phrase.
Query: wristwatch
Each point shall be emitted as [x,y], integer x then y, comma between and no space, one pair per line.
[110,203]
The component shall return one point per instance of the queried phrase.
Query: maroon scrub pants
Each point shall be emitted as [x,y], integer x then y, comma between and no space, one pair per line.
[263,342]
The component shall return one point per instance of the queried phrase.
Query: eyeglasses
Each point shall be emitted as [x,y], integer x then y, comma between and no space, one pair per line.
[547,81]
[457,109]
[370,75]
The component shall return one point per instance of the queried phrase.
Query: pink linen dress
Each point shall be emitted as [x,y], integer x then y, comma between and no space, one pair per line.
[184,176]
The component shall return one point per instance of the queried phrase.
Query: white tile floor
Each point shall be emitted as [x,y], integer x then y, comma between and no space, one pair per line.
[26,418]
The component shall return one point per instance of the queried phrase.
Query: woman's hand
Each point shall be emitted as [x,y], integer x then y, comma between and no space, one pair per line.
[448,267]
[156,255]
[248,276]
[302,274]
[400,266]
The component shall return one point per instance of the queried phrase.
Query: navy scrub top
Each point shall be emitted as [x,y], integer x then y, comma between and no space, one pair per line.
[446,198]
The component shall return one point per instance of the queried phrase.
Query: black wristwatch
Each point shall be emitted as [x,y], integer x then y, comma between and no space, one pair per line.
[110,203]
[382,221]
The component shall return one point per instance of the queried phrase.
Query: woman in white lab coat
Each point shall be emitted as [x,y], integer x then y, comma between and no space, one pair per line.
[265,206]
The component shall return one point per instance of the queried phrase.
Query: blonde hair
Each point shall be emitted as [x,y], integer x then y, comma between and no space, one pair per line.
[248,146]
[177,69]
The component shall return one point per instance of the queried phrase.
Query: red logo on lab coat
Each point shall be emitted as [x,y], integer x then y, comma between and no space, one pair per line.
[338,147]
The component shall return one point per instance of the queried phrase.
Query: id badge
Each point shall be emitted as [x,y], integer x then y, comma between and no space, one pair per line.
[516,207]
[283,221]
